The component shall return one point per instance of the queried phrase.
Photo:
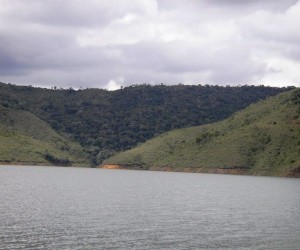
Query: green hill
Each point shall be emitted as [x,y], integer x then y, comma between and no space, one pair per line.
[263,139]
[26,139]
[105,122]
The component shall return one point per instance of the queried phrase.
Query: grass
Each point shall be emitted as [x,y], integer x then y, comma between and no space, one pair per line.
[263,139]
[27,139]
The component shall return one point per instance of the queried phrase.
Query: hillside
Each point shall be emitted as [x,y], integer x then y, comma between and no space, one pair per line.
[105,122]
[26,139]
[263,139]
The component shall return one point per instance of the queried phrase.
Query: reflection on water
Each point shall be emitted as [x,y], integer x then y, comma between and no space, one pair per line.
[73,208]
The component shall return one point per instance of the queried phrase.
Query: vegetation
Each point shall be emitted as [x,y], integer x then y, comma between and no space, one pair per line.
[263,139]
[25,139]
[105,122]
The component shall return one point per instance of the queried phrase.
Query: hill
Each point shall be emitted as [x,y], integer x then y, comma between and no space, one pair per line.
[263,139]
[26,139]
[104,122]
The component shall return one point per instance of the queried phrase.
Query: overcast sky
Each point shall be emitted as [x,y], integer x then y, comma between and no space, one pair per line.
[108,44]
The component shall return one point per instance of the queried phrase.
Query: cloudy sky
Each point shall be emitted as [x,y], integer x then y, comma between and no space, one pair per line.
[108,44]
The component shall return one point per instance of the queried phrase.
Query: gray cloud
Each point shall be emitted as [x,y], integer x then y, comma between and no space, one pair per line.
[108,44]
[69,12]
[268,4]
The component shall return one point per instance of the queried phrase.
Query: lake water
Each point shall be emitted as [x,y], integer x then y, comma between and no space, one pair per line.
[77,208]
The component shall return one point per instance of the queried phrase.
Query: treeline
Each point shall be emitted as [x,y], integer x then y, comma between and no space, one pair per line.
[105,122]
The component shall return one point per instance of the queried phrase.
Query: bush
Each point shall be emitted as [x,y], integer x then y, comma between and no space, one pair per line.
[57,161]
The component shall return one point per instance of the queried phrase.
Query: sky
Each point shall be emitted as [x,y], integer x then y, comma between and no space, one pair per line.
[109,44]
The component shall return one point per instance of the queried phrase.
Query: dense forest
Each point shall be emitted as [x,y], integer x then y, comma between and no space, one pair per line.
[105,122]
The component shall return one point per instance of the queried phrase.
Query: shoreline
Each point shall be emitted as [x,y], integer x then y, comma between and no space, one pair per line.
[229,171]
[40,164]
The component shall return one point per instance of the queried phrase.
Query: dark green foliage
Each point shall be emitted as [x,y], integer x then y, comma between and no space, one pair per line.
[105,122]
[57,161]
[207,136]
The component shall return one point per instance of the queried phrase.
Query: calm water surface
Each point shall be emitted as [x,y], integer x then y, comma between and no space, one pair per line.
[77,208]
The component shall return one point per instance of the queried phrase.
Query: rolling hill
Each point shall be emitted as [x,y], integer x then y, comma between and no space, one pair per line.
[26,139]
[105,122]
[263,139]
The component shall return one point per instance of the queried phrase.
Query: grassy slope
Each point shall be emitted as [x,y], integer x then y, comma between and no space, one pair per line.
[263,139]
[27,139]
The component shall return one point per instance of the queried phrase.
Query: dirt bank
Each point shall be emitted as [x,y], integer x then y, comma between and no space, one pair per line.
[111,166]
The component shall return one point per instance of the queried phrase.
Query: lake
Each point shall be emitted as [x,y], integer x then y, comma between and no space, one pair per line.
[78,208]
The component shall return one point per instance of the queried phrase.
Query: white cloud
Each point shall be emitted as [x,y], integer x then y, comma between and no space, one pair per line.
[115,84]
[282,71]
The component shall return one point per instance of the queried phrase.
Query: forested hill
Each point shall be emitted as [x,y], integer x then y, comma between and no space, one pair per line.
[104,122]
[263,139]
